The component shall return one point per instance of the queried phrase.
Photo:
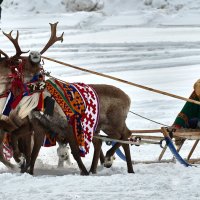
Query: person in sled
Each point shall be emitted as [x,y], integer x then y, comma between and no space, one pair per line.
[189,116]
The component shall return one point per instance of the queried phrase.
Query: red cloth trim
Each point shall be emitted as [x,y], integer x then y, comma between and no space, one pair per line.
[16,101]
[40,105]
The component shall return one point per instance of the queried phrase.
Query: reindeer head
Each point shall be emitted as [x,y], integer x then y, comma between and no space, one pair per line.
[31,63]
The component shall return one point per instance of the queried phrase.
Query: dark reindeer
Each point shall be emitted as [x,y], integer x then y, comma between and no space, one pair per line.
[114,106]
[17,124]
[5,85]
[21,129]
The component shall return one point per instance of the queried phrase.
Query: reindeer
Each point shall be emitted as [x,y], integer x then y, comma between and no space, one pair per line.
[114,105]
[19,117]
[5,84]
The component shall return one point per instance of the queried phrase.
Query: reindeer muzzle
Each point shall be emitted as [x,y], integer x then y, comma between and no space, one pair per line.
[35,57]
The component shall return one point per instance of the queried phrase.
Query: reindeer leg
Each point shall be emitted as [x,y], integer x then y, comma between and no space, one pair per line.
[38,140]
[97,152]
[17,155]
[17,141]
[128,158]
[109,155]
[24,144]
[39,133]
[2,159]
[102,157]
[75,152]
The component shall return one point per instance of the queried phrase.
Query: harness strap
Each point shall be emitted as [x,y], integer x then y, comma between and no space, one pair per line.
[5,94]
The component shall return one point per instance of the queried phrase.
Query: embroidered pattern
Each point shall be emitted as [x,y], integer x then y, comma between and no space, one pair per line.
[79,102]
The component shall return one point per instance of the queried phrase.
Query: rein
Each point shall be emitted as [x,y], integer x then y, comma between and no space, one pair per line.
[156,122]
[123,81]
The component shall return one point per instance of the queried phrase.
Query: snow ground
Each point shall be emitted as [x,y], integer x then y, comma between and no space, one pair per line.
[158,48]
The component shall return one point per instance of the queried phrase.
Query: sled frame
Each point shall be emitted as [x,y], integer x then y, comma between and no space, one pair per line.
[182,134]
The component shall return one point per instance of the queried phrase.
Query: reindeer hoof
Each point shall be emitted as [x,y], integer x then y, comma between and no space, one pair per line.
[84,173]
[23,167]
[21,163]
[108,161]
[93,172]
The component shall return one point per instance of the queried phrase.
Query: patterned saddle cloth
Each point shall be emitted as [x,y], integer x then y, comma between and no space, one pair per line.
[80,104]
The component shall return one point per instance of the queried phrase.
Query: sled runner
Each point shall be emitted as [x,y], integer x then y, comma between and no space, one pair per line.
[167,141]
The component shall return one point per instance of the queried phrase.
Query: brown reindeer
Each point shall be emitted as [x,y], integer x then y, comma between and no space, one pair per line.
[18,117]
[114,105]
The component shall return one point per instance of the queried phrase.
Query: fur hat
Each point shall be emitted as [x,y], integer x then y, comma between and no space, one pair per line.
[197,88]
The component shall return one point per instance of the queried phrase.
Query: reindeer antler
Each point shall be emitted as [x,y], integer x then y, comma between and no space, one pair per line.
[53,38]
[15,43]
[3,53]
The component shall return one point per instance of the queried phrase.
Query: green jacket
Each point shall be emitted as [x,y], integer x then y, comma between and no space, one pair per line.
[188,112]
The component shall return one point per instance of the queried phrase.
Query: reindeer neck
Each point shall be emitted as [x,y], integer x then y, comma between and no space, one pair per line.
[31,72]
[5,84]
[5,81]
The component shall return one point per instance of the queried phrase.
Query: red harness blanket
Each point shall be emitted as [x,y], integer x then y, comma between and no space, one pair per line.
[80,104]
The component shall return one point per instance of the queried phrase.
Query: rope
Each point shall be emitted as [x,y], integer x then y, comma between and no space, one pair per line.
[123,81]
[149,119]
[48,74]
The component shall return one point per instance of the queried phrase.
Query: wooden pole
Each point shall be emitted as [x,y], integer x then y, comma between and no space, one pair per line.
[123,81]
[147,131]
[192,150]
[162,153]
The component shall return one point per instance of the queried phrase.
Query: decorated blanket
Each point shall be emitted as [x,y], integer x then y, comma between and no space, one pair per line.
[189,115]
[80,103]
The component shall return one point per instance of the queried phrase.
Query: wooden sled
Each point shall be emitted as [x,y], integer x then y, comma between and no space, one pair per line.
[168,136]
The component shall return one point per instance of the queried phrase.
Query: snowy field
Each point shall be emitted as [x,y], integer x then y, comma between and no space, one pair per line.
[144,44]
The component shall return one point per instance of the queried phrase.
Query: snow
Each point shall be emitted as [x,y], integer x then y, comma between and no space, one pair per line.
[153,43]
